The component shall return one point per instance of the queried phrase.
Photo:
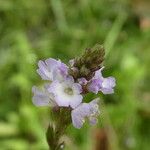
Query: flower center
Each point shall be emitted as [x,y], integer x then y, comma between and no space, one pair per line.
[68,91]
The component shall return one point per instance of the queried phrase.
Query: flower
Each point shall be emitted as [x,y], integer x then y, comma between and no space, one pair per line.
[82,81]
[66,87]
[107,85]
[43,97]
[94,85]
[83,111]
[66,93]
[52,69]
[99,83]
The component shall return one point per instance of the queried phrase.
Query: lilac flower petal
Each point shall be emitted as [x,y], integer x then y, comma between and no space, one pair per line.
[78,115]
[77,88]
[107,91]
[98,74]
[42,98]
[107,85]
[51,63]
[77,120]
[75,101]
[52,69]
[63,68]
[61,101]
[69,79]
[43,71]
[109,82]
[93,88]
[43,76]
[85,110]
[94,102]
[94,85]
[82,81]
[53,86]
[39,98]
[94,107]
[93,120]
[57,75]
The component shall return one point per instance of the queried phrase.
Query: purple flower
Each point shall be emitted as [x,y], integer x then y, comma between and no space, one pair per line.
[107,85]
[99,83]
[82,81]
[43,97]
[52,69]
[94,85]
[83,111]
[66,93]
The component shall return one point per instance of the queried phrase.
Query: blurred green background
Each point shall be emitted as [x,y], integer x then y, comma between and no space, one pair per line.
[31,30]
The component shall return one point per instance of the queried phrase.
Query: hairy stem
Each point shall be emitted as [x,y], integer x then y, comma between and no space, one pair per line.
[57,129]
[53,136]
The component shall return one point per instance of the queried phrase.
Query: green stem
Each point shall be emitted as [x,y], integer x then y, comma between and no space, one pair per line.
[56,130]
[53,136]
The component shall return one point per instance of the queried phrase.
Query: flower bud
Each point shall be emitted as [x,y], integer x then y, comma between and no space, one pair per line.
[90,61]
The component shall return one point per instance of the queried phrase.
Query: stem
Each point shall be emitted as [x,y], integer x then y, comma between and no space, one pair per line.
[53,137]
[57,129]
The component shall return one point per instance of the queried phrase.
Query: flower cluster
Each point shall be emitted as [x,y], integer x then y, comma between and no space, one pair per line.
[63,90]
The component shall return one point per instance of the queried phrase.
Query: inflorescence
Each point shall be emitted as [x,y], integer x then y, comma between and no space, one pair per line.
[67,85]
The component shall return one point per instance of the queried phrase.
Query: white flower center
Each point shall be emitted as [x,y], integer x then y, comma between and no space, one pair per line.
[68,91]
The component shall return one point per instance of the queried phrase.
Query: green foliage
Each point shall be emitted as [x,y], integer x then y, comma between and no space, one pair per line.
[37,29]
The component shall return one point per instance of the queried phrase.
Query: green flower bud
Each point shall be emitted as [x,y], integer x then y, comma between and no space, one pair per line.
[90,61]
